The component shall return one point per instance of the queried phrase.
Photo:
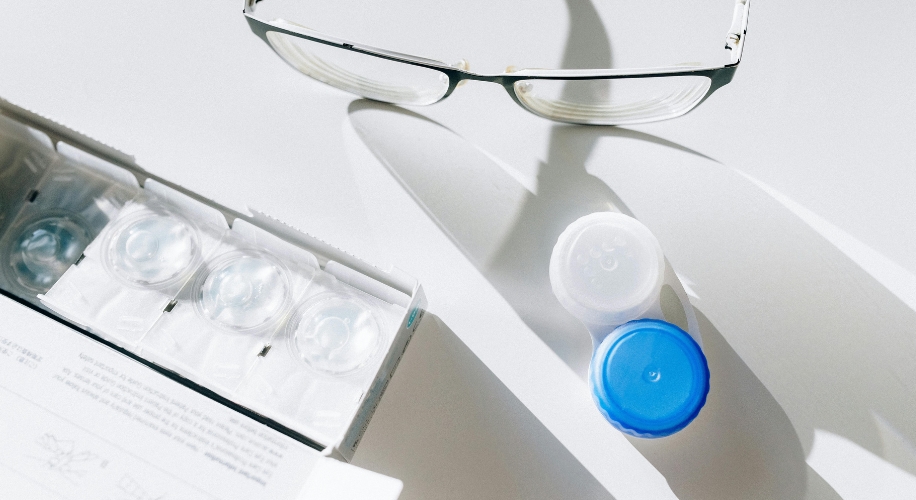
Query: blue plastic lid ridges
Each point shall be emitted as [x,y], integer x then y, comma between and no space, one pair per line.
[649,378]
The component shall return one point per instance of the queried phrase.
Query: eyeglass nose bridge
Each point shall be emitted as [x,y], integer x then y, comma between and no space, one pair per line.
[458,76]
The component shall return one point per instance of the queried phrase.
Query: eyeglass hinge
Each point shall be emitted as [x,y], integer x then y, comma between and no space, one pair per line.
[249,5]
[731,41]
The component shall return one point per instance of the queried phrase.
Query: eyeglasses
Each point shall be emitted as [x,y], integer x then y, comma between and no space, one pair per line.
[591,97]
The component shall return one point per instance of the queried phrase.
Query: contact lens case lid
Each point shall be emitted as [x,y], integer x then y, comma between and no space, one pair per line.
[649,378]
[607,268]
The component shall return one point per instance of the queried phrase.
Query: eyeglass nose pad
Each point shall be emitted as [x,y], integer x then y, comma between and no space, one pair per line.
[463,65]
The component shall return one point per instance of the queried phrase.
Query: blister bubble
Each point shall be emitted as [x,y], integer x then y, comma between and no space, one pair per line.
[152,249]
[244,291]
[335,333]
[43,249]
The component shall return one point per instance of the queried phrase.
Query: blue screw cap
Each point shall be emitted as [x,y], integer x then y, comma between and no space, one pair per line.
[649,378]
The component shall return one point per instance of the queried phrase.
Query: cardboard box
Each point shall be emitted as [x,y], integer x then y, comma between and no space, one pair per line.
[38,146]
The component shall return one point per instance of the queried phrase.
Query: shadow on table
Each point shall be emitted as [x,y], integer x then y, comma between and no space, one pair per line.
[828,339]
[741,446]
[450,429]
[833,345]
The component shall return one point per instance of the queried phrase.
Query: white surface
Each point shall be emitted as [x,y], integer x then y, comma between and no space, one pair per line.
[450,429]
[803,309]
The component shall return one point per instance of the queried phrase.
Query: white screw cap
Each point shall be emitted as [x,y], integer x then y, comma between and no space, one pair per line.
[607,268]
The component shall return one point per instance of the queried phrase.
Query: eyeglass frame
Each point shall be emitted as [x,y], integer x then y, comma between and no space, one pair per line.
[719,76]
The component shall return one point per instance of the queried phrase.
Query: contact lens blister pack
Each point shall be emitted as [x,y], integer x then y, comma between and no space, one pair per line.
[239,306]
[72,202]
[224,318]
[136,266]
[325,353]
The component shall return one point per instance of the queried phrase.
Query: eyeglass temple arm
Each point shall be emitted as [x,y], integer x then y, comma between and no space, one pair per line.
[249,6]
[734,41]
